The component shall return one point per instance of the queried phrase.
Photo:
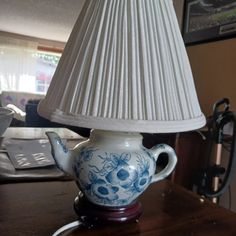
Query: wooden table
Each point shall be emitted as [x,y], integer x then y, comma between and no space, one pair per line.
[39,209]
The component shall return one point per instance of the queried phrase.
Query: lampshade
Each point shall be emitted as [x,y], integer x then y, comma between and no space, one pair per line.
[125,68]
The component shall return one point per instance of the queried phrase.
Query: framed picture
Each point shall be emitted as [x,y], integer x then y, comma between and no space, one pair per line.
[209,20]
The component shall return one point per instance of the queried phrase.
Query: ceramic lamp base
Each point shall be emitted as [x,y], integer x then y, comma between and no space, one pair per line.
[91,214]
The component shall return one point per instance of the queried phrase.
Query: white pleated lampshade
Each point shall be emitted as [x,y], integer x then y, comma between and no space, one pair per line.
[125,68]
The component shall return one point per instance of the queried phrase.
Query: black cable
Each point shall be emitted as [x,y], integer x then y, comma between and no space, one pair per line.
[231,164]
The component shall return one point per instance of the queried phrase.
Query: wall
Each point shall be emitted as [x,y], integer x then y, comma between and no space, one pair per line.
[214,71]
[214,68]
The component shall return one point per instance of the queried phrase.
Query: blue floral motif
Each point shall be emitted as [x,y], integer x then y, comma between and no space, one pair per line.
[86,154]
[123,175]
[111,162]
[116,180]
[99,188]
[144,178]
[117,170]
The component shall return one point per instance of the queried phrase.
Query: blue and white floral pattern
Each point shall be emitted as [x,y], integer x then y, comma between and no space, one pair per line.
[112,168]
[113,179]
[62,144]
[85,155]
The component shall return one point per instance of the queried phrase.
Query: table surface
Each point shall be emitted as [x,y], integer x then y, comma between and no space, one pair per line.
[7,170]
[35,209]
[38,133]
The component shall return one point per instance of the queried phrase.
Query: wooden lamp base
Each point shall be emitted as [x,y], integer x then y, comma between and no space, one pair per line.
[91,214]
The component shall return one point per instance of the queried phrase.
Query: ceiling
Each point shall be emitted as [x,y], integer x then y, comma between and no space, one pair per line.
[47,19]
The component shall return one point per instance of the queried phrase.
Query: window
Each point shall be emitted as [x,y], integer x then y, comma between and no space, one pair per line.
[46,63]
[25,67]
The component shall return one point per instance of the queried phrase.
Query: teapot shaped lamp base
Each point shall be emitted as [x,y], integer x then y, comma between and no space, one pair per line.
[112,169]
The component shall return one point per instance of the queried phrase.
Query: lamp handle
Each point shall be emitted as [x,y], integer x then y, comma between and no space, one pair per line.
[172,160]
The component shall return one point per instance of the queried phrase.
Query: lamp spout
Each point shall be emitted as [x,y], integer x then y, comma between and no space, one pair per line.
[61,154]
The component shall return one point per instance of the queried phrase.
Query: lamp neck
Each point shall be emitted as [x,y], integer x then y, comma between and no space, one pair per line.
[121,138]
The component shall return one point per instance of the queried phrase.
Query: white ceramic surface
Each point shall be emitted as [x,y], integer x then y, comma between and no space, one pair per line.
[112,168]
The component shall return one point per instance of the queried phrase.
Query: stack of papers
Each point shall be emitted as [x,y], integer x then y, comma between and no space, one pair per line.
[25,154]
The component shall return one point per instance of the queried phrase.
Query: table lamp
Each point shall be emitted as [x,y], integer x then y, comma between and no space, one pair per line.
[124,71]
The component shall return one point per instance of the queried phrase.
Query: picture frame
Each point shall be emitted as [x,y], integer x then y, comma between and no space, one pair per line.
[208,20]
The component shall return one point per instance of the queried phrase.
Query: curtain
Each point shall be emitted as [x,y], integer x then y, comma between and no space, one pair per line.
[17,65]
